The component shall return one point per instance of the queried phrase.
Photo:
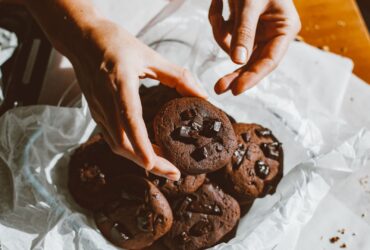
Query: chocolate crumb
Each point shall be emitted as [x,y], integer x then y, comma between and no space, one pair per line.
[353,234]
[343,245]
[341,231]
[334,239]
[362,215]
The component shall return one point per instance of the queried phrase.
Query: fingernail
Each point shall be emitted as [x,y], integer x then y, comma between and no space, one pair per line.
[174,176]
[240,55]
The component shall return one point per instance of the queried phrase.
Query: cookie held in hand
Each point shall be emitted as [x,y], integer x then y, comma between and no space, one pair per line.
[194,135]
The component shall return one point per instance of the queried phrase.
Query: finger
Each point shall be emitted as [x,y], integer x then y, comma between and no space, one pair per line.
[176,77]
[223,84]
[165,169]
[247,16]
[161,167]
[270,55]
[219,25]
[129,112]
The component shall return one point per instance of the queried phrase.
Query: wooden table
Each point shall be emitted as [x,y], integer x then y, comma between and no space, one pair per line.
[337,25]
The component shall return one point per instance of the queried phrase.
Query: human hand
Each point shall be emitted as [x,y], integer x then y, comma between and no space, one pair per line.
[109,63]
[256,35]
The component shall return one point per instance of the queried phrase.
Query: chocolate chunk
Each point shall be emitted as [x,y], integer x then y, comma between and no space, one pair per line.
[159,219]
[200,153]
[246,137]
[197,123]
[184,131]
[183,238]
[160,181]
[187,114]
[91,173]
[201,227]
[216,126]
[271,150]
[238,156]
[144,220]
[263,132]
[182,207]
[119,233]
[262,169]
[219,147]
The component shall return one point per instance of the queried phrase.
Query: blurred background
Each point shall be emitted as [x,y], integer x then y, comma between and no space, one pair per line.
[365,10]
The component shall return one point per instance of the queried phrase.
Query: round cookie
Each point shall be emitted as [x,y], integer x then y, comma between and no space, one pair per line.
[91,169]
[194,135]
[138,218]
[202,219]
[256,167]
[186,185]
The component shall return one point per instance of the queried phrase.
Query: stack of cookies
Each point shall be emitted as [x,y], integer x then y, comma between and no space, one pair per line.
[225,166]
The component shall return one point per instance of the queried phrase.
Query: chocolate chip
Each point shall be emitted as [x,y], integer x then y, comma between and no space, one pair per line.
[238,156]
[182,207]
[187,114]
[160,182]
[200,228]
[92,173]
[196,126]
[219,147]
[216,126]
[159,219]
[184,131]
[144,220]
[178,183]
[271,150]
[263,132]
[183,238]
[200,153]
[246,137]
[197,123]
[262,169]
[119,233]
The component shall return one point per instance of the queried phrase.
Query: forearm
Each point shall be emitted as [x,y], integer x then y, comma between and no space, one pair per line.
[65,22]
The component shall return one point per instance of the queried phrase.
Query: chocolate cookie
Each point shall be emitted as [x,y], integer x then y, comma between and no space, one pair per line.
[186,185]
[202,219]
[91,169]
[256,167]
[194,135]
[138,218]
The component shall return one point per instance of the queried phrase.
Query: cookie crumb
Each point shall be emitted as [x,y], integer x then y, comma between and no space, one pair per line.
[341,231]
[324,48]
[362,215]
[299,38]
[353,234]
[334,239]
[343,245]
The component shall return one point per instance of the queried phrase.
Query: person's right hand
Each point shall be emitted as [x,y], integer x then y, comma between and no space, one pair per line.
[109,63]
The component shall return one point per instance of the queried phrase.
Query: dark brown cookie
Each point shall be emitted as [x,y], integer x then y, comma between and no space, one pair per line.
[194,135]
[138,218]
[256,167]
[186,185]
[91,169]
[202,219]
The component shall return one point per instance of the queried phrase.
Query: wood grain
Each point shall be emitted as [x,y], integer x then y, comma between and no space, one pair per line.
[337,25]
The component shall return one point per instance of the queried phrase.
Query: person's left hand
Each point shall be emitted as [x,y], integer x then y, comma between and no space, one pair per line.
[256,35]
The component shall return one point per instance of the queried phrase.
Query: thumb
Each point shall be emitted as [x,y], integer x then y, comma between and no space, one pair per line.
[246,19]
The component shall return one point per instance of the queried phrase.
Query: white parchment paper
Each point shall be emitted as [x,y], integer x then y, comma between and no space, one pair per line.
[311,102]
